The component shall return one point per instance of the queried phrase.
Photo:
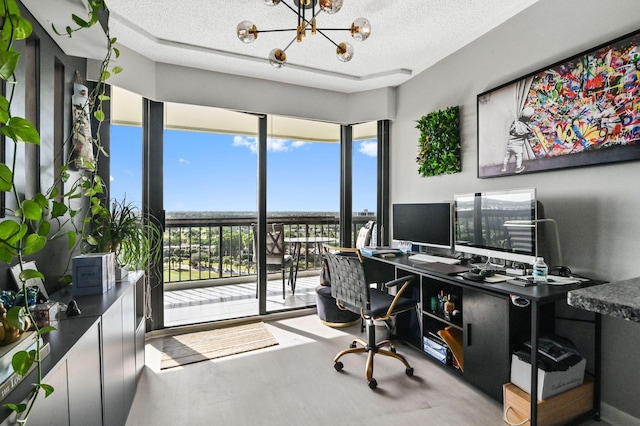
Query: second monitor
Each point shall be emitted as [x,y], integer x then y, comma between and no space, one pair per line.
[423,224]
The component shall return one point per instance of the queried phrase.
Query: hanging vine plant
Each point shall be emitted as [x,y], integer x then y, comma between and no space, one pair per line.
[439,143]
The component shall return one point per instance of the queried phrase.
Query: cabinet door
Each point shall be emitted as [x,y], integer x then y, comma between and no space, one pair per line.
[53,409]
[129,346]
[486,341]
[113,367]
[85,394]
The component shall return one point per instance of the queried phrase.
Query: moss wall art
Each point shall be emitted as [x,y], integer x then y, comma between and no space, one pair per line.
[439,143]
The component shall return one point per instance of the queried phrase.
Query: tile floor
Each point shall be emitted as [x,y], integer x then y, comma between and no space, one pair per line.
[196,305]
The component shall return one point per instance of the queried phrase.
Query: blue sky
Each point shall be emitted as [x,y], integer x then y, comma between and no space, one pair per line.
[205,172]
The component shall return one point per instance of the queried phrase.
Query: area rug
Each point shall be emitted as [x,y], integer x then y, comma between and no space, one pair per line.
[204,345]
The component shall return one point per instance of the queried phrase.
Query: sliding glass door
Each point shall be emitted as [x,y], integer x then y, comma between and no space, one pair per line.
[303,197]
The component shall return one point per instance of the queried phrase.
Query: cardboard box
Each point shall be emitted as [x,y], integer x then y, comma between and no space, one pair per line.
[93,273]
[549,382]
[555,411]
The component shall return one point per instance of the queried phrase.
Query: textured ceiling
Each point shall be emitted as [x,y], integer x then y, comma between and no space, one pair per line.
[407,36]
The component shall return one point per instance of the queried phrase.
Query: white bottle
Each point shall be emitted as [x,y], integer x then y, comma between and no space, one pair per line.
[540,271]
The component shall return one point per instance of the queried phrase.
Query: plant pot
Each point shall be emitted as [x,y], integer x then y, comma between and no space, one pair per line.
[121,272]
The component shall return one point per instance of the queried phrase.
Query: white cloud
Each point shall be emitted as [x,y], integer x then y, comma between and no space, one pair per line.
[246,142]
[273,145]
[183,161]
[111,178]
[278,145]
[369,148]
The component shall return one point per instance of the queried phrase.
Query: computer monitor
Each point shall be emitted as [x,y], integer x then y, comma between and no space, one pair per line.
[423,224]
[497,224]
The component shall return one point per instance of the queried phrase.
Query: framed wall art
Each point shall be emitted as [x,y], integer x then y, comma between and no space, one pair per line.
[582,111]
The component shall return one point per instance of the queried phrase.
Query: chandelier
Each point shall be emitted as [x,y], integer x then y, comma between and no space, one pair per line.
[306,11]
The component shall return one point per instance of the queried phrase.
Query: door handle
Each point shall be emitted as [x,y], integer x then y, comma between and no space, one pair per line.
[468,334]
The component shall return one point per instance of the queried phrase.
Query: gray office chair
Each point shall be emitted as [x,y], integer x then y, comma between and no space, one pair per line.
[277,259]
[352,291]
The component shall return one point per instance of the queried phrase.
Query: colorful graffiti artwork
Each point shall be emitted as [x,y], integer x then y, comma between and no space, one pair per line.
[588,104]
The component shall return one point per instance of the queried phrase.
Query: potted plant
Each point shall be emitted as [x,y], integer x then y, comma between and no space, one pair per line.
[123,230]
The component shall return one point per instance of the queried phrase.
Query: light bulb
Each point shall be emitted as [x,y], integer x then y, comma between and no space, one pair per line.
[331,6]
[344,51]
[361,29]
[277,58]
[271,2]
[247,32]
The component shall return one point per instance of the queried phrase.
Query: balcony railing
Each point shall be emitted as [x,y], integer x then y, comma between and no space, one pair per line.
[216,248]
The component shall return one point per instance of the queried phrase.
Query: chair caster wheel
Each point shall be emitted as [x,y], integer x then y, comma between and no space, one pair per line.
[409,372]
[338,366]
[372,383]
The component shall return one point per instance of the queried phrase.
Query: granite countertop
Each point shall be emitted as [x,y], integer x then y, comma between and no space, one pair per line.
[619,299]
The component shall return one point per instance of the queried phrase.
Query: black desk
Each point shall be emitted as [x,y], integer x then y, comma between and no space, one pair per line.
[538,295]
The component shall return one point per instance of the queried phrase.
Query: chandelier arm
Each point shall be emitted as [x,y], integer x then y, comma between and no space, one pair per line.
[327,37]
[290,43]
[277,31]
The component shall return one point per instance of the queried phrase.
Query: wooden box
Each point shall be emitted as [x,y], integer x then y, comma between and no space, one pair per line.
[554,411]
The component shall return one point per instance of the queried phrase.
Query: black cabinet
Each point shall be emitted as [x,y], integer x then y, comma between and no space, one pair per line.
[481,318]
[486,341]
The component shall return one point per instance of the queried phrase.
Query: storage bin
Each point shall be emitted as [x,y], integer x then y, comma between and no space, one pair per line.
[554,411]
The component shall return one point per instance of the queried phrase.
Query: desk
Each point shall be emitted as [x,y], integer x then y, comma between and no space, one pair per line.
[296,249]
[486,308]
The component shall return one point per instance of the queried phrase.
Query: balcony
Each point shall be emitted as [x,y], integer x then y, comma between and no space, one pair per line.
[209,272]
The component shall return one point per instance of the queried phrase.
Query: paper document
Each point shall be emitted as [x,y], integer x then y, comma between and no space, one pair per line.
[554,280]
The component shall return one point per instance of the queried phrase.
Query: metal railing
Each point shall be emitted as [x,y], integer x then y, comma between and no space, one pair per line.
[212,248]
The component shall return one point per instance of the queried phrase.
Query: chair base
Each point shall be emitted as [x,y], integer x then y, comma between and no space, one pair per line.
[340,324]
[372,350]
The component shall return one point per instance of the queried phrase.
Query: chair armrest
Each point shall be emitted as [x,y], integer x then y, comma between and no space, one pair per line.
[399,281]
[405,281]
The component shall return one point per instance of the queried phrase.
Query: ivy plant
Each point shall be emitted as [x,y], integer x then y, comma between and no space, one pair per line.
[49,214]
[439,143]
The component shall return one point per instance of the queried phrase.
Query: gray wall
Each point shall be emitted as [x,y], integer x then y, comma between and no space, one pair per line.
[35,165]
[596,207]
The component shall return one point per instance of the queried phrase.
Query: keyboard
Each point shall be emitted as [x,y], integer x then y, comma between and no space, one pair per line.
[428,258]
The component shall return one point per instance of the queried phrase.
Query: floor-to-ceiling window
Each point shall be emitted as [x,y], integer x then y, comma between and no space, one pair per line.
[365,174]
[125,148]
[303,194]
[210,203]
[210,197]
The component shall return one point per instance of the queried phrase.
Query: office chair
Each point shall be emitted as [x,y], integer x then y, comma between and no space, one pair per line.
[277,259]
[352,291]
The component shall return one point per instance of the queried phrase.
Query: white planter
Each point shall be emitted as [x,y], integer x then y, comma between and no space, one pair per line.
[121,272]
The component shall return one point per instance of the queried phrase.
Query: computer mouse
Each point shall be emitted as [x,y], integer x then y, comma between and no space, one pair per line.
[562,271]
[470,275]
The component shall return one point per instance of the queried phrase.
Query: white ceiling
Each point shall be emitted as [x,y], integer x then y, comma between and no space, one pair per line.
[407,36]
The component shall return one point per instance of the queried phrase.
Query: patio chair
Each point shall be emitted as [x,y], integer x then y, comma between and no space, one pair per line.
[277,259]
